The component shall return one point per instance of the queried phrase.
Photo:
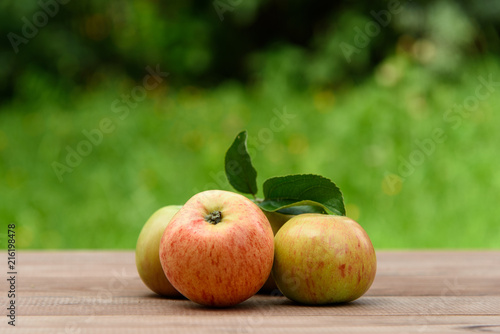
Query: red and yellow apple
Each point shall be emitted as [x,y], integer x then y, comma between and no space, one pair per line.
[146,252]
[323,259]
[218,249]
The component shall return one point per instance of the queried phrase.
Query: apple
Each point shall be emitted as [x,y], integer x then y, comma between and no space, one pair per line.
[323,259]
[218,249]
[147,259]
[276,220]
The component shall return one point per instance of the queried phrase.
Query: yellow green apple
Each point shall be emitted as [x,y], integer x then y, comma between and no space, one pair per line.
[147,257]
[323,259]
[276,220]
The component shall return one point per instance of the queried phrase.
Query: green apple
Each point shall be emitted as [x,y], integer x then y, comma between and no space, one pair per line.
[147,257]
[276,220]
[323,259]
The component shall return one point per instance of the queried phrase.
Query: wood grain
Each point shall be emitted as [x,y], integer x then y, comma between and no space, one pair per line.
[100,292]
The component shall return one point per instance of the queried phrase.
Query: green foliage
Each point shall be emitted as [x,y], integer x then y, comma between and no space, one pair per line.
[287,47]
[172,145]
[283,192]
[238,166]
[399,125]
[299,193]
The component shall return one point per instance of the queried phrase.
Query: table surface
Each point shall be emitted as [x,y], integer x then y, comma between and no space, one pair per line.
[101,292]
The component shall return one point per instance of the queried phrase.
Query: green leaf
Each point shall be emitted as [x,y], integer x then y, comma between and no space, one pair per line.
[238,165]
[298,190]
[300,209]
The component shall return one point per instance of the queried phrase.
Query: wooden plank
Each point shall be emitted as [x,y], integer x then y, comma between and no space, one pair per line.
[104,304]
[100,292]
[264,324]
[399,273]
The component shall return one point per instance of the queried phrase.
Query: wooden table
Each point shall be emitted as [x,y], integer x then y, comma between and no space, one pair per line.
[100,292]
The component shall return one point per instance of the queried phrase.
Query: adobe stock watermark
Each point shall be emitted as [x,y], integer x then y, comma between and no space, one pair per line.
[425,148]
[222,7]
[265,136]
[363,37]
[30,28]
[120,108]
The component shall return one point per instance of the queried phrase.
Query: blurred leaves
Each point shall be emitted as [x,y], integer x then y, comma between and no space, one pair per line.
[172,145]
[292,46]
[353,121]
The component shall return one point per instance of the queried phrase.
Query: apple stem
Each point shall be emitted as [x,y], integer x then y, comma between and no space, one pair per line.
[214,217]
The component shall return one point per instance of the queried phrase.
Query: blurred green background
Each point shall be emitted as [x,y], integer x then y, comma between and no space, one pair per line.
[396,102]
